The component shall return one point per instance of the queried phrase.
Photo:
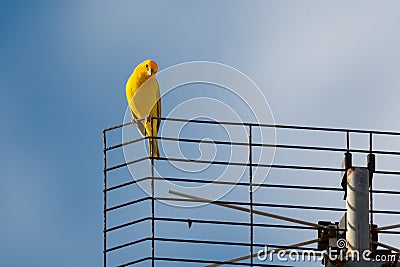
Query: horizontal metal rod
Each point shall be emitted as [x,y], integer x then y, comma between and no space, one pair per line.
[194,261]
[127,224]
[388,227]
[117,127]
[280,205]
[211,242]
[389,232]
[128,203]
[128,244]
[235,203]
[236,143]
[386,212]
[126,184]
[192,241]
[126,164]
[258,204]
[136,181]
[262,213]
[207,242]
[125,143]
[214,222]
[387,246]
[260,165]
[246,204]
[219,222]
[387,172]
[134,262]
[280,166]
[204,181]
[261,225]
[277,126]
[208,261]
[389,192]
[297,167]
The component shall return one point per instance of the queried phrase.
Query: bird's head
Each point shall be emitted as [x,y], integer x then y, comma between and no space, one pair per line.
[147,68]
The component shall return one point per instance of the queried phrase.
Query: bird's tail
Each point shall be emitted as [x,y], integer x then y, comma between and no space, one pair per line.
[153,148]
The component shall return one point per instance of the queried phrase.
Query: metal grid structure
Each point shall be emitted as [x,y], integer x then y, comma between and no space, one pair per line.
[139,230]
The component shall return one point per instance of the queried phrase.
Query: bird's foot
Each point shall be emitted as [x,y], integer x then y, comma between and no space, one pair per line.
[135,122]
[148,119]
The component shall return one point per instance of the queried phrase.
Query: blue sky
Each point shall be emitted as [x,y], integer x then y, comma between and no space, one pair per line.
[64,65]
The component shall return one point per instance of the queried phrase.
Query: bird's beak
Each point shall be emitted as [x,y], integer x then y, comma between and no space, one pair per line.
[150,71]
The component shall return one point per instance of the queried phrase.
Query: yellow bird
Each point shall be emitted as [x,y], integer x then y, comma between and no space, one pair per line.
[143,95]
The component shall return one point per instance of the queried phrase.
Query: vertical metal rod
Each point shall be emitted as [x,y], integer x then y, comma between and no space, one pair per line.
[371,206]
[251,195]
[348,140]
[104,199]
[152,193]
[370,142]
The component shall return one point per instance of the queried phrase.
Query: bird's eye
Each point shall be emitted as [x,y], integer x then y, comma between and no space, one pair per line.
[147,66]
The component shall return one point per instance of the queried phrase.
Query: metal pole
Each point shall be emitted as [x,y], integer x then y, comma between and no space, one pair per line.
[104,199]
[357,205]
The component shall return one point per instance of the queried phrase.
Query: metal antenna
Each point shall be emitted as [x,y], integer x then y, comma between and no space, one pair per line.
[127,209]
